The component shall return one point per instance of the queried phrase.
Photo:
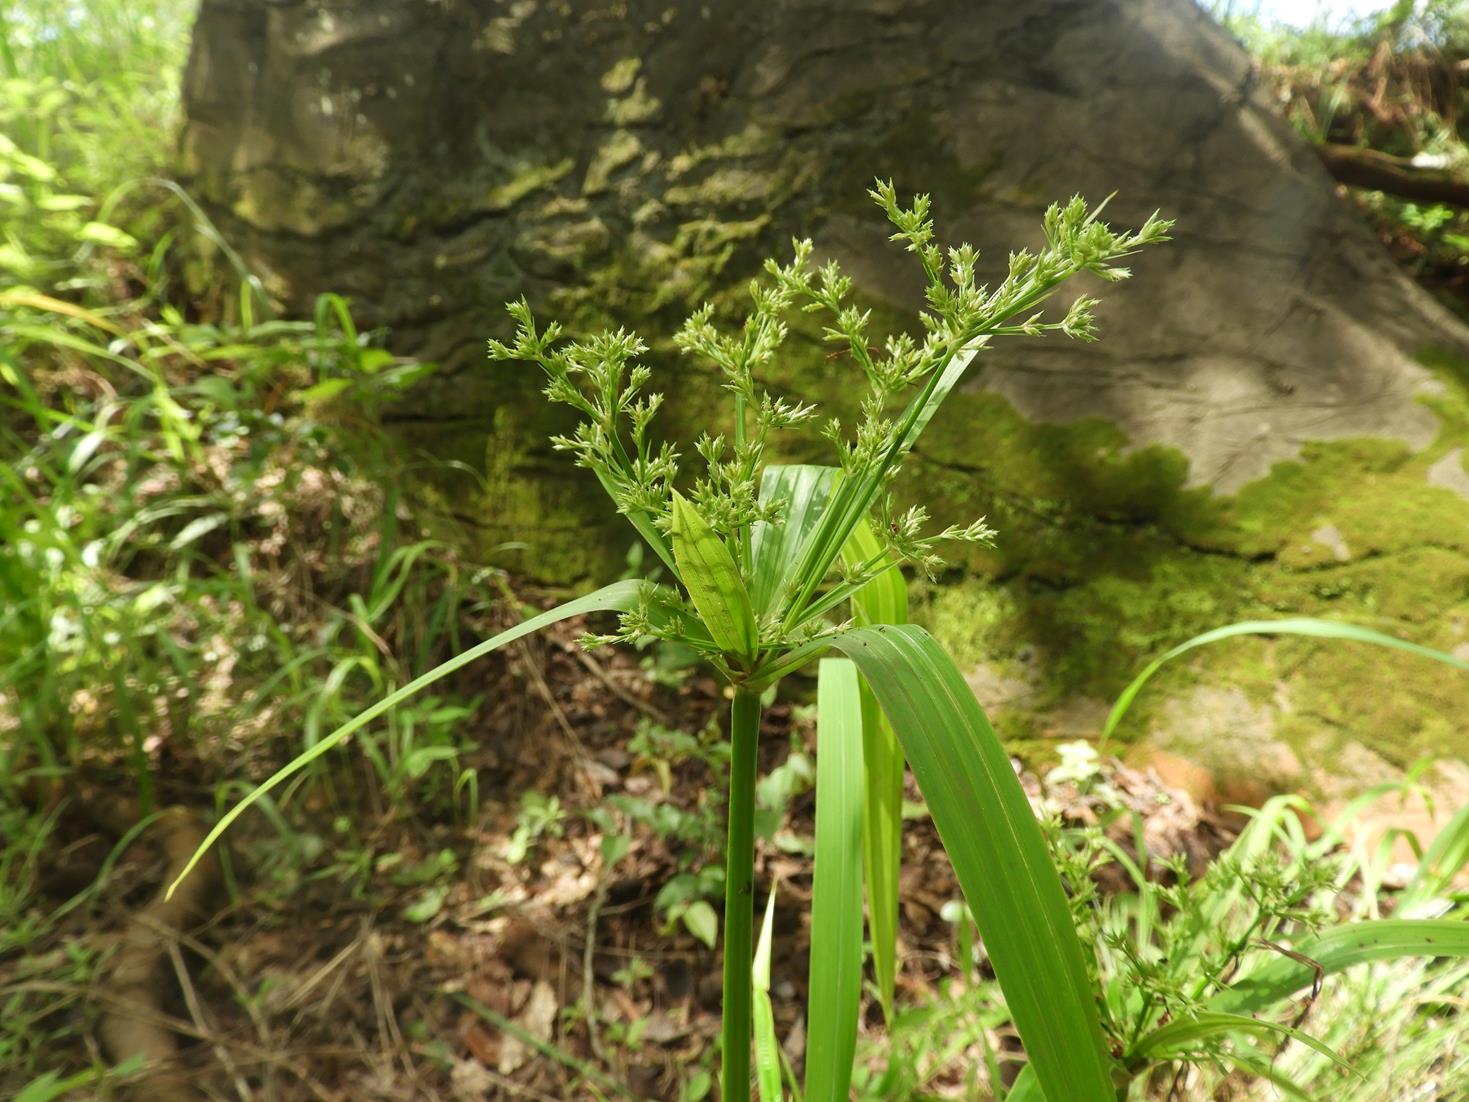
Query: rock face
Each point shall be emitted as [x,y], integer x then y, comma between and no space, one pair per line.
[1274,421]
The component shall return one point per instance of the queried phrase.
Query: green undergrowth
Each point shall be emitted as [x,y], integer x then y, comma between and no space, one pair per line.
[206,553]
[1163,936]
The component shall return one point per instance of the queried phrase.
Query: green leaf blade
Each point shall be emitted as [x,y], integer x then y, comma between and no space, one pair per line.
[1447,854]
[767,1048]
[713,580]
[1177,1037]
[806,489]
[836,905]
[1336,949]
[617,597]
[998,854]
[1304,626]
[884,600]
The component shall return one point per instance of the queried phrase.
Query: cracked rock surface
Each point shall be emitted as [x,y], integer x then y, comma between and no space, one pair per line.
[1272,424]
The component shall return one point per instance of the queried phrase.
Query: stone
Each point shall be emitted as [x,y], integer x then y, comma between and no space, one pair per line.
[1272,425]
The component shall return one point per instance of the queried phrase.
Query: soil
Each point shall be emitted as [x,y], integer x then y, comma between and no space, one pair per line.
[441,969]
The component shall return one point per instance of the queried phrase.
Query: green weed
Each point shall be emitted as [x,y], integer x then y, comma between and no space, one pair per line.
[767,559]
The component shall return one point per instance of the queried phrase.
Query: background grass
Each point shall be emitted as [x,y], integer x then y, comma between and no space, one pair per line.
[208,560]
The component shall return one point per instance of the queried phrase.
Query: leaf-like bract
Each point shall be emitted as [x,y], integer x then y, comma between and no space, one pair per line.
[709,574]
[619,596]
[883,600]
[998,853]
[836,897]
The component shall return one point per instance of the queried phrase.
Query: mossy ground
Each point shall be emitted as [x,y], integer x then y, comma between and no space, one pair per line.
[1106,558]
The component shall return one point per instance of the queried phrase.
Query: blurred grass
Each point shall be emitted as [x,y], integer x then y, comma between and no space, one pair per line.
[207,558]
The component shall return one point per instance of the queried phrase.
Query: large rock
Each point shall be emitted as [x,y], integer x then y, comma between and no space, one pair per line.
[1275,421]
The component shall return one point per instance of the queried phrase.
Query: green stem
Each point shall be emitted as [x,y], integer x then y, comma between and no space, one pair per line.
[739,895]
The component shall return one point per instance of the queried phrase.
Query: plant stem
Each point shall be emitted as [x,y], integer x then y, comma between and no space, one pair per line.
[739,895]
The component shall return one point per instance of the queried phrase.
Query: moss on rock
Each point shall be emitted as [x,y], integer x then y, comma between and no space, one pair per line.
[1106,558]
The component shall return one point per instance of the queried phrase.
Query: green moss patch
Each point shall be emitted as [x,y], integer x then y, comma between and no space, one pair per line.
[1106,559]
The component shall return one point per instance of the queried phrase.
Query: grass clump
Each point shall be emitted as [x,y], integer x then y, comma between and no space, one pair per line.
[204,550]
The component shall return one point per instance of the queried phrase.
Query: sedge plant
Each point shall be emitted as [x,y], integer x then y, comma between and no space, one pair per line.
[775,567]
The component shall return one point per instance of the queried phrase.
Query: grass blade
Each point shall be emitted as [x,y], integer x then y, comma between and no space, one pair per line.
[1179,1037]
[767,1049]
[1447,854]
[1339,948]
[709,574]
[618,596]
[854,497]
[836,904]
[1321,629]
[998,854]
[884,600]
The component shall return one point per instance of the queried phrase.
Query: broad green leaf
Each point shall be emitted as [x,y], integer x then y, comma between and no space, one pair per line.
[713,581]
[836,898]
[619,596]
[767,1048]
[1182,1035]
[806,489]
[1321,629]
[701,921]
[1339,948]
[998,854]
[884,600]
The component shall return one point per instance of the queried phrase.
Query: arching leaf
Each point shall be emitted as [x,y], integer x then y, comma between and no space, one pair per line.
[998,854]
[620,596]
[1339,948]
[1321,629]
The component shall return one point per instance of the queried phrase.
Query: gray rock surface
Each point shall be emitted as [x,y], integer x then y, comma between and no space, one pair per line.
[1259,433]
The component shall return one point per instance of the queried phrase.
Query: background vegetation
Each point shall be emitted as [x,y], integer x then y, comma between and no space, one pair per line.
[209,558]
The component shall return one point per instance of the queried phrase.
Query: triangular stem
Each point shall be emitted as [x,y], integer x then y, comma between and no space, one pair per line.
[739,894]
